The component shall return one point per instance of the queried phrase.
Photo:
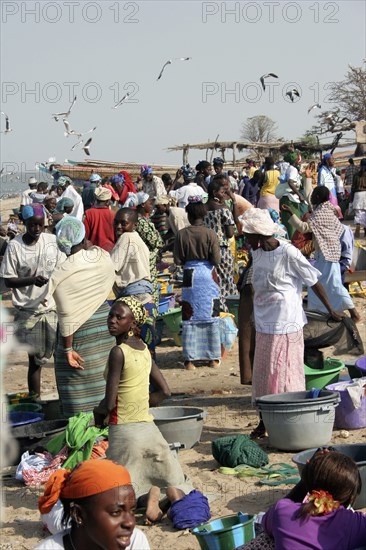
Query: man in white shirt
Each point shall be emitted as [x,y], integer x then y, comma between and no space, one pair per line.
[28,264]
[189,189]
[152,185]
[25,198]
[71,193]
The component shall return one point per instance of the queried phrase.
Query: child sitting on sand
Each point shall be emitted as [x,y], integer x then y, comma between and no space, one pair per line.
[322,520]
[134,439]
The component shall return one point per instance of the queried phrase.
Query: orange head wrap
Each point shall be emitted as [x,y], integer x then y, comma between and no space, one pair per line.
[86,479]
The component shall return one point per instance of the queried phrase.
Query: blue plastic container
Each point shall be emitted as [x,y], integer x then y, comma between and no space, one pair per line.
[19,418]
[225,533]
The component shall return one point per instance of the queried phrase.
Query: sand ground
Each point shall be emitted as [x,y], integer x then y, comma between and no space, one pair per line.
[228,404]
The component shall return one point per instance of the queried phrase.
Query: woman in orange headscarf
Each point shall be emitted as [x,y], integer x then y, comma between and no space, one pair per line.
[98,508]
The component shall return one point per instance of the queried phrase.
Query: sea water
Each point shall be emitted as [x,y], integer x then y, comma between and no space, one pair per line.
[13,185]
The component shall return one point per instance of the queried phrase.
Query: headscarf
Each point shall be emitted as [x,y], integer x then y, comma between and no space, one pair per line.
[145,170]
[290,157]
[136,307]
[70,231]
[103,194]
[32,210]
[218,161]
[327,230]
[188,172]
[326,157]
[195,199]
[162,199]
[117,179]
[88,478]
[259,222]
[94,178]
[63,180]
[64,203]
[142,197]
[131,201]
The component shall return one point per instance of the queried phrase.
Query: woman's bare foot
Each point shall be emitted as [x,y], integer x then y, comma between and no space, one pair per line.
[173,494]
[188,365]
[214,364]
[153,511]
[355,316]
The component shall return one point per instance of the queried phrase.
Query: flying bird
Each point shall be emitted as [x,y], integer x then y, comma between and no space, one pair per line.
[70,132]
[76,144]
[292,93]
[169,62]
[266,76]
[315,106]
[57,116]
[7,124]
[86,147]
[122,100]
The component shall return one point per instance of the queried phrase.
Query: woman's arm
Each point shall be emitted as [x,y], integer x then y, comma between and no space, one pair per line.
[73,358]
[162,390]
[116,362]
[322,295]
[302,227]
[215,252]
[295,190]
[19,282]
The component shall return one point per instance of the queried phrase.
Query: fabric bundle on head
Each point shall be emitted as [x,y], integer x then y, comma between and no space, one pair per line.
[188,172]
[163,199]
[70,231]
[190,511]
[146,170]
[103,194]
[327,156]
[32,210]
[142,197]
[88,478]
[195,199]
[290,157]
[259,222]
[94,178]
[131,201]
[136,307]
[117,178]
[64,203]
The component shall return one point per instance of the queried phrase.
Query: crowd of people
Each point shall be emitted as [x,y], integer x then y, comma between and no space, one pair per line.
[84,282]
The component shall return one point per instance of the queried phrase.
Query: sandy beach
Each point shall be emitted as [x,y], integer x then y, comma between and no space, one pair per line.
[217,391]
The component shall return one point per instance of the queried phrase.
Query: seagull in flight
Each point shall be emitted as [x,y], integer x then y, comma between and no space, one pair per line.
[76,144]
[57,116]
[315,106]
[292,93]
[86,147]
[169,62]
[70,132]
[125,97]
[7,124]
[266,76]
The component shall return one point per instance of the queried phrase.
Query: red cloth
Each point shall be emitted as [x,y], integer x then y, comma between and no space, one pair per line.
[128,187]
[99,227]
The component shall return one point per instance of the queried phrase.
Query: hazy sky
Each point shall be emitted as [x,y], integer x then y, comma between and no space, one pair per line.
[100,50]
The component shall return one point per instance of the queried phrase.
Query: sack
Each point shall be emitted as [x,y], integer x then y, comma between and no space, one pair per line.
[281,189]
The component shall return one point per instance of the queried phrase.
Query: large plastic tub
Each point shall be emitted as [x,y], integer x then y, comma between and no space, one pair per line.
[295,421]
[346,416]
[225,533]
[182,424]
[25,407]
[319,378]
[360,364]
[173,319]
[22,397]
[20,418]
[232,303]
[356,451]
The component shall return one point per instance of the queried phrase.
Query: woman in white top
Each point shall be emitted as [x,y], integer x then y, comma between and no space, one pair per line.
[279,271]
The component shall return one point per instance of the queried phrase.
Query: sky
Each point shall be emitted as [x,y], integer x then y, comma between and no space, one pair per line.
[98,51]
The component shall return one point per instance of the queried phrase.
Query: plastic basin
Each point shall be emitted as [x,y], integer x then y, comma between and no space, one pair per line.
[19,418]
[225,533]
[295,421]
[25,407]
[182,424]
[361,365]
[356,451]
[319,378]
[173,319]
[232,303]
[23,397]
[347,416]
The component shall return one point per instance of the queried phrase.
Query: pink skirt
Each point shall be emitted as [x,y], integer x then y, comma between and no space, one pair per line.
[278,364]
[269,201]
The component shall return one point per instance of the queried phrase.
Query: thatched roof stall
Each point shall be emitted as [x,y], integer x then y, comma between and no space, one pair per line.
[239,146]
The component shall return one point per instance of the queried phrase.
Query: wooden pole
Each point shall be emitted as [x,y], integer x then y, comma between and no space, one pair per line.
[234,155]
[213,149]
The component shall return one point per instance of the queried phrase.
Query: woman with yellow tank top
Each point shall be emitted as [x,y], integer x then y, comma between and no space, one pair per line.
[134,439]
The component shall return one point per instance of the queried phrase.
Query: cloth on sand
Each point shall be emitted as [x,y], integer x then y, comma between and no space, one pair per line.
[190,511]
[232,450]
[142,449]
[79,437]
